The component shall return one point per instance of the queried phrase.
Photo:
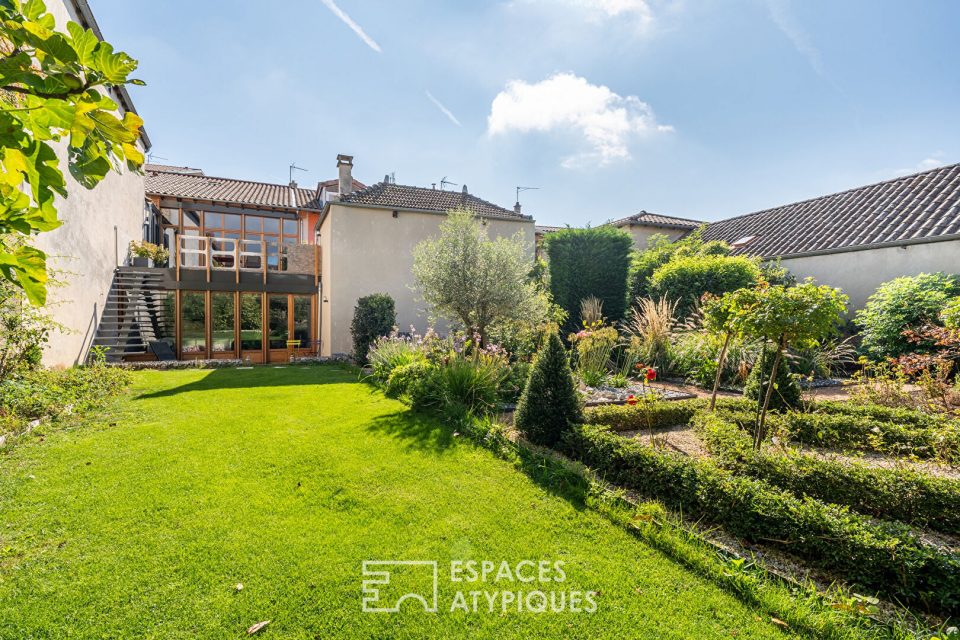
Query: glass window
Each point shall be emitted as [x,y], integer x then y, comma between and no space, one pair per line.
[231,222]
[191,218]
[301,320]
[271,225]
[193,326]
[251,321]
[290,228]
[278,321]
[253,223]
[212,220]
[170,216]
[166,330]
[222,312]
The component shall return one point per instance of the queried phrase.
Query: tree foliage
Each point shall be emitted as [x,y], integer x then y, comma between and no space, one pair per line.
[660,250]
[549,403]
[373,317]
[589,262]
[466,277]
[685,280]
[53,87]
[902,304]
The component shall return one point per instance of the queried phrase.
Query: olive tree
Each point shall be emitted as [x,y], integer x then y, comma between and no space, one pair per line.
[53,88]
[799,316]
[466,277]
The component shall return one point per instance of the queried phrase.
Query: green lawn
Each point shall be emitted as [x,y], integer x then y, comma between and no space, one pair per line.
[285,480]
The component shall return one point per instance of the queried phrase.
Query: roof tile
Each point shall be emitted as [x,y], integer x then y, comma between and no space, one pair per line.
[388,194]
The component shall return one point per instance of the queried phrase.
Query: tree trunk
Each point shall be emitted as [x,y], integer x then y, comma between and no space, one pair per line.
[720,363]
[766,398]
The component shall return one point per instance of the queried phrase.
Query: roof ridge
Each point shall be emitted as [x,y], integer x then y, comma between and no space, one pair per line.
[382,185]
[840,193]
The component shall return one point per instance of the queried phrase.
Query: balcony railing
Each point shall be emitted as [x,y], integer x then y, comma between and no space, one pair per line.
[256,256]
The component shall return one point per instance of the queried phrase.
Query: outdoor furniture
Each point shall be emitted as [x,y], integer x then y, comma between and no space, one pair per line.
[294,345]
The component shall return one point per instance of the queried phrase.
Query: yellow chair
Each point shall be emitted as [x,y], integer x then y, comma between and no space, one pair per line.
[294,345]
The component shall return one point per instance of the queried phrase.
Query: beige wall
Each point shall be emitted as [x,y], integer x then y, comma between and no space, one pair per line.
[369,251]
[859,273]
[86,247]
[640,233]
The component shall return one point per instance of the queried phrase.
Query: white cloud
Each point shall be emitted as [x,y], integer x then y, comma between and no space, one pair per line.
[637,11]
[929,163]
[782,15]
[347,20]
[607,121]
[443,109]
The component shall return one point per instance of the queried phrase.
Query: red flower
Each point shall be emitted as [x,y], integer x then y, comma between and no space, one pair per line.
[631,399]
[651,374]
[639,366]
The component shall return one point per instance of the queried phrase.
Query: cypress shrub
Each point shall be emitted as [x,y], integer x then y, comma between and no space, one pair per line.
[374,316]
[786,392]
[589,262]
[549,403]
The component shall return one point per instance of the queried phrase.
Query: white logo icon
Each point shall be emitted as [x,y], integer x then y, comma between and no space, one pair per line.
[417,580]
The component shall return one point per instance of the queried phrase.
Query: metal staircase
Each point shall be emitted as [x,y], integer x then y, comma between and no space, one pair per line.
[134,314]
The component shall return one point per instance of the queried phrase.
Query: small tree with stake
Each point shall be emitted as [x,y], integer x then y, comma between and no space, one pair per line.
[797,316]
[718,315]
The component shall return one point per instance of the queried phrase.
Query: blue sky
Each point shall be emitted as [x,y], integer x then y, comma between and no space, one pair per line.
[701,109]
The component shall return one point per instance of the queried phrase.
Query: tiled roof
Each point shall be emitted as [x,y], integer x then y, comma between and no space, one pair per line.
[657,220]
[202,187]
[397,196]
[545,228]
[918,207]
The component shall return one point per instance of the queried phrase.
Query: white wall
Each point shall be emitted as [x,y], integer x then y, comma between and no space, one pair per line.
[641,233]
[85,247]
[859,273]
[369,251]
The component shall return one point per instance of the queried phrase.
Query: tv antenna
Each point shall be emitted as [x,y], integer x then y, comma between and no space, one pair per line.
[152,156]
[522,189]
[444,182]
[294,167]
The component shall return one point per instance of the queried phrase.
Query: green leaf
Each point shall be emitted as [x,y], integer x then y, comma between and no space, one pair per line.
[84,42]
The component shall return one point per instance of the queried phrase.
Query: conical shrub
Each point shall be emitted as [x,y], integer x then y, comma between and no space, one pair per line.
[549,403]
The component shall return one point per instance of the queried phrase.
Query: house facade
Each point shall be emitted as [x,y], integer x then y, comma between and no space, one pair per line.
[641,226]
[859,238]
[97,226]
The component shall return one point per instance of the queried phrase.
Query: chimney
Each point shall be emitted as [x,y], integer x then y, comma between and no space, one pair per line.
[345,171]
[516,208]
[293,184]
[464,189]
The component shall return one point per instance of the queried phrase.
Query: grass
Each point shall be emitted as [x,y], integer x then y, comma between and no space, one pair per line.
[285,480]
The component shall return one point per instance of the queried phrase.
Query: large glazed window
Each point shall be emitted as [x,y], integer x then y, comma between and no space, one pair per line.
[301,320]
[166,329]
[193,326]
[279,317]
[223,316]
[251,321]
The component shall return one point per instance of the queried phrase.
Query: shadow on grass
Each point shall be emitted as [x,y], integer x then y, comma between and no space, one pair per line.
[263,376]
[421,431]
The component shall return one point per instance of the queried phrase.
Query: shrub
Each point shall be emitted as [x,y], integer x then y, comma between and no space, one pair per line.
[899,494]
[389,352]
[883,556]
[650,327]
[404,377]
[469,385]
[786,389]
[901,304]
[661,414]
[659,252]
[950,316]
[373,317]
[549,403]
[593,347]
[685,280]
[694,355]
[589,262]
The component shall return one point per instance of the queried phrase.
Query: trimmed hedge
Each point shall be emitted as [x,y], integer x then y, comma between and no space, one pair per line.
[661,414]
[589,262]
[898,494]
[884,556]
[867,433]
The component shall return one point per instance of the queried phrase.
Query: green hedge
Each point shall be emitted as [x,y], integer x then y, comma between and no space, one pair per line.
[661,414]
[897,494]
[867,433]
[373,317]
[884,556]
[589,262]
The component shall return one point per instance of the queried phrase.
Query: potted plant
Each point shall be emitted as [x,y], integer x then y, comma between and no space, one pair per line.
[147,254]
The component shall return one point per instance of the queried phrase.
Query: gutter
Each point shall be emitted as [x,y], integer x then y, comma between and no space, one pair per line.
[866,247]
[88,21]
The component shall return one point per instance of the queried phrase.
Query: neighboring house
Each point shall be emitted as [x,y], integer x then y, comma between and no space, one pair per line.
[97,226]
[642,225]
[260,271]
[367,239]
[860,238]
